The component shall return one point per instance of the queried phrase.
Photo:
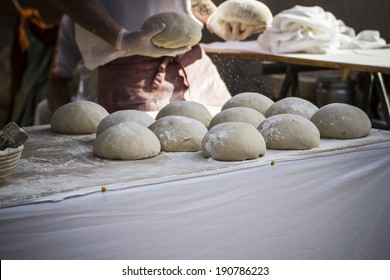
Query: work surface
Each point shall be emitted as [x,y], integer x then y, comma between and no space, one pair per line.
[365,60]
[332,202]
[55,166]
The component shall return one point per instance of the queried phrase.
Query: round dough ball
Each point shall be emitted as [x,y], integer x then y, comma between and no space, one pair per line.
[232,141]
[188,109]
[289,132]
[125,141]
[181,30]
[238,114]
[253,100]
[247,12]
[179,134]
[292,105]
[78,117]
[341,121]
[136,116]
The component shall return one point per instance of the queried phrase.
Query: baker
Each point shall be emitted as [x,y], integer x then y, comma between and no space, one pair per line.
[133,73]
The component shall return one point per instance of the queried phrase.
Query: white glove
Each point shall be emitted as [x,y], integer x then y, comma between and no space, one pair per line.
[140,43]
[229,31]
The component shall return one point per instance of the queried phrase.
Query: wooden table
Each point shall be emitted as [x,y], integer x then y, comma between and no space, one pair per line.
[374,61]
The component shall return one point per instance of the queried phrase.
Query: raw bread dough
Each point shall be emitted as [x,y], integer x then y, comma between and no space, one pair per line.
[341,121]
[253,100]
[180,30]
[289,132]
[78,117]
[189,109]
[292,105]
[238,114]
[232,141]
[247,12]
[139,117]
[179,134]
[125,141]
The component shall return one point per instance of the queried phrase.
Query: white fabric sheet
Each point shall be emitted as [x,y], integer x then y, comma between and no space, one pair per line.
[330,206]
[314,30]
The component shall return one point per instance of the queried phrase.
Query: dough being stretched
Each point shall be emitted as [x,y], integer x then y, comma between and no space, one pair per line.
[139,117]
[292,105]
[238,114]
[189,109]
[232,141]
[341,121]
[126,141]
[179,134]
[181,30]
[78,117]
[253,100]
[289,132]
[247,13]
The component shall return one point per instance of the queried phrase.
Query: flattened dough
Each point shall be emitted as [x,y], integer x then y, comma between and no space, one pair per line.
[292,105]
[289,132]
[78,117]
[233,141]
[189,109]
[180,30]
[139,117]
[341,121]
[253,100]
[247,12]
[126,141]
[238,114]
[179,134]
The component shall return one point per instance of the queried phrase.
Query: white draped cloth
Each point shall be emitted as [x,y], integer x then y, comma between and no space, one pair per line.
[314,30]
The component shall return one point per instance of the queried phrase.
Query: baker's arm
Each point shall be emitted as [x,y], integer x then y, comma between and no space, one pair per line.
[91,16]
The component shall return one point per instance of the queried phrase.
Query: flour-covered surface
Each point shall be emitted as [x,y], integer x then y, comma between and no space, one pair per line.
[54,166]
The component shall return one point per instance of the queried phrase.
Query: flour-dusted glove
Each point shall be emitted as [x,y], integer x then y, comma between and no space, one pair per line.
[140,43]
[229,31]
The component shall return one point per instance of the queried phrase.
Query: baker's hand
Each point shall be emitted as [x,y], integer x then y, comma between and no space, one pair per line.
[140,43]
[229,31]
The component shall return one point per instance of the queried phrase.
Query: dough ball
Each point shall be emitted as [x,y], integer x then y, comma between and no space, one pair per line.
[179,134]
[341,121]
[247,12]
[233,141]
[139,117]
[238,114]
[292,105]
[180,30]
[78,117]
[253,100]
[125,141]
[289,132]
[188,109]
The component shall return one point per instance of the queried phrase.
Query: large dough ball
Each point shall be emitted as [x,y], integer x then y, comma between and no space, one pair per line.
[238,114]
[179,134]
[289,132]
[78,117]
[247,12]
[232,141]
[292,105]
[139,117]
[253,100]
[125,141]
[180,30]
[188,109]
[342,121]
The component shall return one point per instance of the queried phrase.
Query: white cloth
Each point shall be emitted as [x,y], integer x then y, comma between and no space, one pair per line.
[314,30]
[130,14]
[330,206]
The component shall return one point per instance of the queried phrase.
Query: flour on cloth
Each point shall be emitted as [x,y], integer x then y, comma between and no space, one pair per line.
[314,30]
